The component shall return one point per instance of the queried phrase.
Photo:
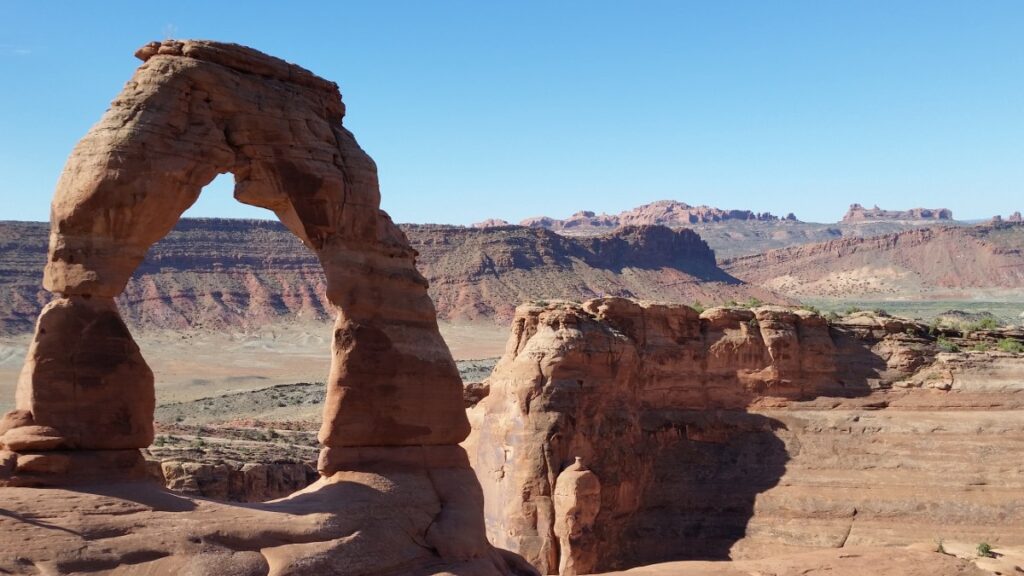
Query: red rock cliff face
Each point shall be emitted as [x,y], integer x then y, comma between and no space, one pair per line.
[736,433]
[632,390]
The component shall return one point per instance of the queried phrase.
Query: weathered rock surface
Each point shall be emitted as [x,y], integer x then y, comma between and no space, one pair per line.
[233,481]
[743,434]
[860,561]
[377,520]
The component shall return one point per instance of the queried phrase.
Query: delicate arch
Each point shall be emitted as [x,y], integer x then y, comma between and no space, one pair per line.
[194,110]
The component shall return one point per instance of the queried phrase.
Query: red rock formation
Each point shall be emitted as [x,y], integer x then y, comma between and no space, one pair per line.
[922,262]
[604,381]
[858,213]
[738,433]
[393,414]
[661,213]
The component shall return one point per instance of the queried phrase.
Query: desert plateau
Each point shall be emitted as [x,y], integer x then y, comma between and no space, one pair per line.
[492,336]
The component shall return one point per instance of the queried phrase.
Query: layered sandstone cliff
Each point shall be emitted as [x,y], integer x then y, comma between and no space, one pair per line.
[740,433]
[932,262]
[214,274]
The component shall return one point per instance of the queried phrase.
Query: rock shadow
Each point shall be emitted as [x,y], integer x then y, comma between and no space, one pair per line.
[703,486]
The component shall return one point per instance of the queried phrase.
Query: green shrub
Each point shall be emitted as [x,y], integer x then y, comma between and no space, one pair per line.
[946,345]
[754,303]
[831,316]
[1011,346]
[851,310]
[939,547]
[809,308]
[698,306]
[753,324]
[983,324]
[981,347]
[985,550]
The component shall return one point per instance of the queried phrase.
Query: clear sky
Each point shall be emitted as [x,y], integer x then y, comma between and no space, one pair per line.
[509,109]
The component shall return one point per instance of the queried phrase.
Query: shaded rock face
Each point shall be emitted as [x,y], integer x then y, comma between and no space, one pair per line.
[393,413]
[738,433]
[249,482]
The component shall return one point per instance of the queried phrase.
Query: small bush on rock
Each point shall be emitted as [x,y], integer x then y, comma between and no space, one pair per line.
[1011,346]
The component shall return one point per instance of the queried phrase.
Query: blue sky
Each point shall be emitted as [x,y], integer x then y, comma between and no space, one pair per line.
[482,109]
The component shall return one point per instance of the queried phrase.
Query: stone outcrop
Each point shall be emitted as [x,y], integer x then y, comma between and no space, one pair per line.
[393,415]
[661,213]
[858,213]
[637,391]
[232,481]
[742,433]
[577,503]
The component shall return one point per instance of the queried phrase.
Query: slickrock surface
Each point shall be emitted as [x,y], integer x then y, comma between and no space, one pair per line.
[745,434]
[852,562]
[396,493]
[926,263]
[382,520]
[858,213]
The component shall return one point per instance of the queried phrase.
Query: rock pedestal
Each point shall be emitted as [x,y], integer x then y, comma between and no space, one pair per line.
[577,503]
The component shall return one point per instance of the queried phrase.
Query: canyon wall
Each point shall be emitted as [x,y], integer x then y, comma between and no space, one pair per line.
[739,433]
[214,274]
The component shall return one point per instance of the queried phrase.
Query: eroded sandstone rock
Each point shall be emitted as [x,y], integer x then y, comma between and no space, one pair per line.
[396,494]
[743,434]
[193,110]
[577,504]
[636,390]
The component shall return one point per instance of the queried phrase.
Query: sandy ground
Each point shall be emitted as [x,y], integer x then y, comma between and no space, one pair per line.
[194,365]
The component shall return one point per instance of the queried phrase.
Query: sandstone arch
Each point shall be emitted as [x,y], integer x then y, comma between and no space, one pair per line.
[193,110]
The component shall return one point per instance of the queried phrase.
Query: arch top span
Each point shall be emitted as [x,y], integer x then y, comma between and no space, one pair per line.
[195,109]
